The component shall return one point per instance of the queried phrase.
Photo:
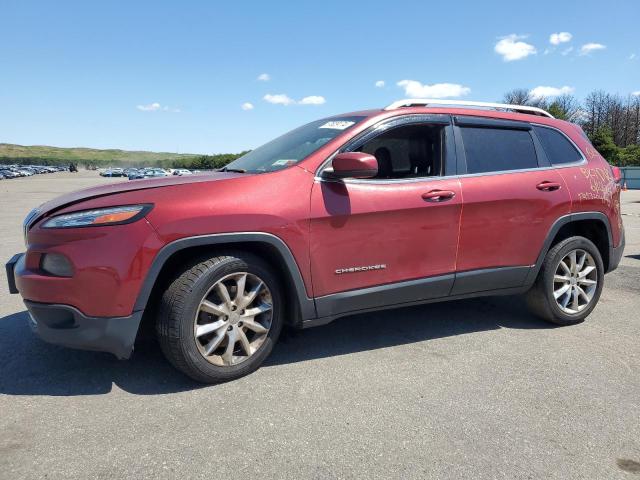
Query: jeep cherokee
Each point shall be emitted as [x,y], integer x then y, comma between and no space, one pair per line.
[419,202]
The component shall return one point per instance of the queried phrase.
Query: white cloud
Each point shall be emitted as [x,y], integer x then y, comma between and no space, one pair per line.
[512,48]
[264,77]
[380,83]
[247,106]
[151,107]
[156,107]
[558,38]
[550,92]
[633,56]
[636,93]
[566,51]
[283,99]
[413,88]
[587,48]
[312,100]
[279,99]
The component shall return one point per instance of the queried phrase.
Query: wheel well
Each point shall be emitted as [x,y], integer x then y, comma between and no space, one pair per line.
[594,230]
[175,265]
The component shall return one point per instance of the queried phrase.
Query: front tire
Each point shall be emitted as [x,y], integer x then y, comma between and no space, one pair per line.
[220,318]
[569,283]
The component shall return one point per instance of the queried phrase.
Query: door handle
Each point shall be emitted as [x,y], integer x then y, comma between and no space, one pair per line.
[438,195]
[548,186]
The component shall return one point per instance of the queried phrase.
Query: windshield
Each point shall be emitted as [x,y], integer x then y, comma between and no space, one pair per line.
[294,146]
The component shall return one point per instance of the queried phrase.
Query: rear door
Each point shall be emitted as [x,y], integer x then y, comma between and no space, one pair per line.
[512,196]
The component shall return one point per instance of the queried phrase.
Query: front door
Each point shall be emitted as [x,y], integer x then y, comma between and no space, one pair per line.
[391,239]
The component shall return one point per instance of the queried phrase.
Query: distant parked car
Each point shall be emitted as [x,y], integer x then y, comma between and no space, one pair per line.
[182,171]
[112,172]
[9,174]
[149,173]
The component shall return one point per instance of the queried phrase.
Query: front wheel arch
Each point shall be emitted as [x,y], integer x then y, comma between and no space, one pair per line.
[269,247]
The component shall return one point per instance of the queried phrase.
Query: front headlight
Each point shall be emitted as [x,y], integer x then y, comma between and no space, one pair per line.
[99,217]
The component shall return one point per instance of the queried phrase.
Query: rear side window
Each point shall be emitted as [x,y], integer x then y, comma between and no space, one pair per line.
[498,149]
[559,150]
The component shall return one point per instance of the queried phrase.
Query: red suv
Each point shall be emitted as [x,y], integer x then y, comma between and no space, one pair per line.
[419,202]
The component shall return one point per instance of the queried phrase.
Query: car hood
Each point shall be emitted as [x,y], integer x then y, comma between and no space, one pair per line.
[103,190]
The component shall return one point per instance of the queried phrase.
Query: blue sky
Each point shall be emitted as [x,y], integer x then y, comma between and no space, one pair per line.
[173,76]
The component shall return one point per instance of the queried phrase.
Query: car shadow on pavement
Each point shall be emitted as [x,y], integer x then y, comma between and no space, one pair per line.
[29,366]
[388,328]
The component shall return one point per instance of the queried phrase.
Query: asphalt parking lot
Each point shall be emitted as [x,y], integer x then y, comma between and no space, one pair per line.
[473,389]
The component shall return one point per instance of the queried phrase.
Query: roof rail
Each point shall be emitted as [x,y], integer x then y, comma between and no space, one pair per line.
[424,102]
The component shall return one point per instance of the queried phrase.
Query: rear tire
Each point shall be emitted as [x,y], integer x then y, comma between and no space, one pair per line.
[569,282]
[219,319]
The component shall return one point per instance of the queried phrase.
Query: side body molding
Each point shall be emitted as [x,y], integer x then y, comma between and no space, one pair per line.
[307,305]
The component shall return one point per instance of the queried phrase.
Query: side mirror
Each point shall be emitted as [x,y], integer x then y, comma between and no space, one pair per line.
[354,165]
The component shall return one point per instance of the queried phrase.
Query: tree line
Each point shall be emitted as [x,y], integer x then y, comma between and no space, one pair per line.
[612,122]
[205,162]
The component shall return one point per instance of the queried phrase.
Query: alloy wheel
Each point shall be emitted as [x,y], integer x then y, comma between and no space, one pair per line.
[575,281]
[233,319]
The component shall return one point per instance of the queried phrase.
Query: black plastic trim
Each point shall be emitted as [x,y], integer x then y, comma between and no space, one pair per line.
[481,122]
[316,322]
[10,268]
[66,326]
[384,295]
[461,155]
[555,228]
[349,174]
[615,254]
[541,154]
[441,287]
[489,279]
[307,305]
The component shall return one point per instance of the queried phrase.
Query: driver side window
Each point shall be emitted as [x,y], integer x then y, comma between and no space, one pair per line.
[408,151]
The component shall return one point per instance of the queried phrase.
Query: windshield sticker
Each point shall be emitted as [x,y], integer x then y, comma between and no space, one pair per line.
[283,161]
[337,125]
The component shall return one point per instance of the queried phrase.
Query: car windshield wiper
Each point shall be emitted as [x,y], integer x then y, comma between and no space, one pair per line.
[234,170]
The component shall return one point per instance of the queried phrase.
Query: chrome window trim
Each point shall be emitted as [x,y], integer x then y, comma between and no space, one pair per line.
[372,181]
[448,177]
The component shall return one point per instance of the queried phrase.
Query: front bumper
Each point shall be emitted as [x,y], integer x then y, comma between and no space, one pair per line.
[67,326]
